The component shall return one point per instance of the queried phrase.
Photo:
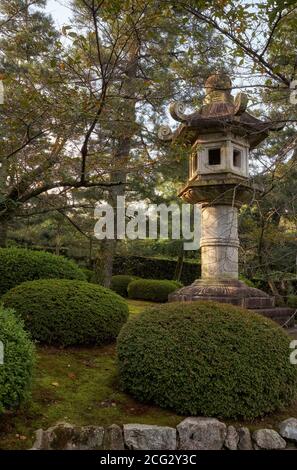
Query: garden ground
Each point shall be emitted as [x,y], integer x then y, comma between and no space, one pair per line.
[79,385]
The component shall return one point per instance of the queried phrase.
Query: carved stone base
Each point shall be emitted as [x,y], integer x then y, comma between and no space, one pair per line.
[227,291]
[235,293]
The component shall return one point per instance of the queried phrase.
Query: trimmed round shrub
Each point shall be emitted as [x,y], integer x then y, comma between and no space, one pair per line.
[17,361]
[66,313]
[18,265]
[152,289]
[120,282]
[206,358]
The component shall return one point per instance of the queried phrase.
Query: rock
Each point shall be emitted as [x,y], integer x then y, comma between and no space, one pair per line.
[268,439]
[232,438]
[201,434]
[149,437]
[39,440]
[288,429]
[113,438]
[64,436]
[89,438]
[245,441]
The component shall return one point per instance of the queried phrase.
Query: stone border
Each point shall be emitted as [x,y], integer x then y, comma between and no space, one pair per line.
[190,434]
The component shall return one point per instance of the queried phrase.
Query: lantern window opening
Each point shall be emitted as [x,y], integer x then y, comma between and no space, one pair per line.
[214,156]
[237,158]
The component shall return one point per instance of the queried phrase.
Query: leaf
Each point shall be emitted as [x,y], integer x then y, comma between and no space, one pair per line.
[65,29]
[72,376]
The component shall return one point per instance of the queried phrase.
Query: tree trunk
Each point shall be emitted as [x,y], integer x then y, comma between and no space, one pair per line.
[104,262]
[179,265]
[3,233]
[279,299]
[58,240]
[91,253]
[104,265]
[3,209]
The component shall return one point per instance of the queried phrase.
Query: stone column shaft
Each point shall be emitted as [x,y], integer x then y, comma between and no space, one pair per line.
[219,242]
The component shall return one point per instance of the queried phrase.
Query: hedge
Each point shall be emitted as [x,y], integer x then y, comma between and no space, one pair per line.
[152,289]
[19,264]
[155,268]
[120,283]
[292,301]
[66,313]
[206,358]
[18,361]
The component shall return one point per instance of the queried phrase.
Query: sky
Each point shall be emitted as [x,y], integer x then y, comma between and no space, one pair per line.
[59,11]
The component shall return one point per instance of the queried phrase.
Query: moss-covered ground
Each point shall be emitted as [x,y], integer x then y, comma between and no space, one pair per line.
[79,386]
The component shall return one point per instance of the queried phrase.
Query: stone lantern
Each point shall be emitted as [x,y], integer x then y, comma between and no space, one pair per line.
[220,136]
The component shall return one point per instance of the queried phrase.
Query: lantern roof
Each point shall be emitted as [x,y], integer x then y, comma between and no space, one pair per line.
[220,112]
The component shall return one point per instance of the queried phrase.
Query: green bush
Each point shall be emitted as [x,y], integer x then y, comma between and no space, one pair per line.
[88,273]
[120,283]
[206,358]
[65,312]
[18,265]
[247,281]
[16,370]
[292,301]
[152,289]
